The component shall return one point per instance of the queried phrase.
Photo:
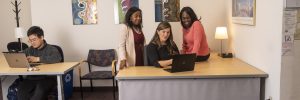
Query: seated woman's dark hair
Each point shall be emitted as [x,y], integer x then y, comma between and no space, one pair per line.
[35,30]
[170,43]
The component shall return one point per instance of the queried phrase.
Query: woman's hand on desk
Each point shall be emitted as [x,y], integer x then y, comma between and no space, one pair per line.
[165,63]
[184,48]
[123,64]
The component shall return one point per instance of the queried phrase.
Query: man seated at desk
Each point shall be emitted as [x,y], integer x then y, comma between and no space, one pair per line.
[37,87]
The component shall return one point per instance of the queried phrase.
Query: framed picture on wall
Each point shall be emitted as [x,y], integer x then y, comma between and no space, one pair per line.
[167,10]
[243,12]
[121,7]
[84,12]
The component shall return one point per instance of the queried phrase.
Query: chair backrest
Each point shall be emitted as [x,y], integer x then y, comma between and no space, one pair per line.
[16,46]
[60,51]
[145,56]
[101,58]
[67,79]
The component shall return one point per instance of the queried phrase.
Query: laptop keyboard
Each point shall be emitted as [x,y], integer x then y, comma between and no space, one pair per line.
[168,70]
[34,64]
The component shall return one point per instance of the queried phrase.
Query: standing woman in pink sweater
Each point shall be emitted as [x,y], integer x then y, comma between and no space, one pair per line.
[194,38]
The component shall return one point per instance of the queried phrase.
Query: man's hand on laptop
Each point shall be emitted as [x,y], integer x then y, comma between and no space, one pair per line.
[33,59]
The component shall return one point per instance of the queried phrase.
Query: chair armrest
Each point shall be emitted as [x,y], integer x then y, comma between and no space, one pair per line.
[79,67]
[113,67]
[83,61]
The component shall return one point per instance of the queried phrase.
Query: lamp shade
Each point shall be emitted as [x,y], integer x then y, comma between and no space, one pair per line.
[221,33]
[19,32]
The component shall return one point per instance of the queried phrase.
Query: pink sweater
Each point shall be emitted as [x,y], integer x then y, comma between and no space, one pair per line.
[194,40]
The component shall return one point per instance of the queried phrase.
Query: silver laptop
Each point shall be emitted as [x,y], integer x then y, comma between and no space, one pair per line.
[18,60]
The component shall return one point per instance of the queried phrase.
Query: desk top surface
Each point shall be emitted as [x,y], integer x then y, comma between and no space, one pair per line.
[45,69]
[215,67]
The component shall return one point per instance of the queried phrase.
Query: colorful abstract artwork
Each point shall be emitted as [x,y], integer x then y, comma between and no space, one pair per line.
[167,10]
[121,8]
[84,12]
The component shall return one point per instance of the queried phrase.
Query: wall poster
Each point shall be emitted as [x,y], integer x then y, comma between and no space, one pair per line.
[243,12]
[167,10]
[84,12]
[121,7]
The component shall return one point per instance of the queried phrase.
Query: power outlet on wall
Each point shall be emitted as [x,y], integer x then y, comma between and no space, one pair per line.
[270,98]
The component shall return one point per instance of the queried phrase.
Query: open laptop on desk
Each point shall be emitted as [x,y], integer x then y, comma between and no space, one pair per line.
[183,62]
[18,60]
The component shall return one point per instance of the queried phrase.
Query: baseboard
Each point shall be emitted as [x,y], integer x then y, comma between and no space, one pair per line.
[98,88]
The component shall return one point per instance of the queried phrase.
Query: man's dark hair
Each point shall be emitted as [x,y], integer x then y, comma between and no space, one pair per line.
[129,13]
[35,30]
[191,13]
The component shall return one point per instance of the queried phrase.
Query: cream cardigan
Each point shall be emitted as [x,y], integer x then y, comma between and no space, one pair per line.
[126,48]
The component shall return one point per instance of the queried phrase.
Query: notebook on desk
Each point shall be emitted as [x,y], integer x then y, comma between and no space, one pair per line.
[183,62]
[18,60]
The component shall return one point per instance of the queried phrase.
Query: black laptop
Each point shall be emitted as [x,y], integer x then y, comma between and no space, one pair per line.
[182,62]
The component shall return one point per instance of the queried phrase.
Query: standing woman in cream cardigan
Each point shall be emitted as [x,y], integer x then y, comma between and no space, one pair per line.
[132,39]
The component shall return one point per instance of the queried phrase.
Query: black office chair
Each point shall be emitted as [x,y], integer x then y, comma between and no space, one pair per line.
[16,46]
[60,51]
[53,94]
[145,56]
[99,58]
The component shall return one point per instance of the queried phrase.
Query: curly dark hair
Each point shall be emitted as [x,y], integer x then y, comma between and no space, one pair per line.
[128,14]
[191,13]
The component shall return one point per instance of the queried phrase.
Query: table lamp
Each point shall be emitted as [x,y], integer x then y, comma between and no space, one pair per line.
[19,34]
[221,34]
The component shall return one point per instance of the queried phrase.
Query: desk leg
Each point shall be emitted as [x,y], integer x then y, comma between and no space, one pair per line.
[60,87]
[262,88]
[2,90]
[6,81]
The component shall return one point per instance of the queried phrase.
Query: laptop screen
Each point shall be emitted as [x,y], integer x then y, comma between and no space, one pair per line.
[16,60]
[183,62]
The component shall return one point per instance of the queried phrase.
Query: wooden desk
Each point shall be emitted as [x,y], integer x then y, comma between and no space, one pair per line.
[216,79]
[57,69]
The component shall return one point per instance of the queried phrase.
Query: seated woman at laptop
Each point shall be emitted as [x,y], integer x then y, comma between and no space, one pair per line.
[162,47]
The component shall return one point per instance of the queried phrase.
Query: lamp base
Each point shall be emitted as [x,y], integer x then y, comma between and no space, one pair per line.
[225,55]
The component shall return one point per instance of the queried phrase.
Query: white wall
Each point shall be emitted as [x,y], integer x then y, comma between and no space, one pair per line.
[260,45]
[55,17]
[290,81]
[7,26]
[8,22]
[257,45]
